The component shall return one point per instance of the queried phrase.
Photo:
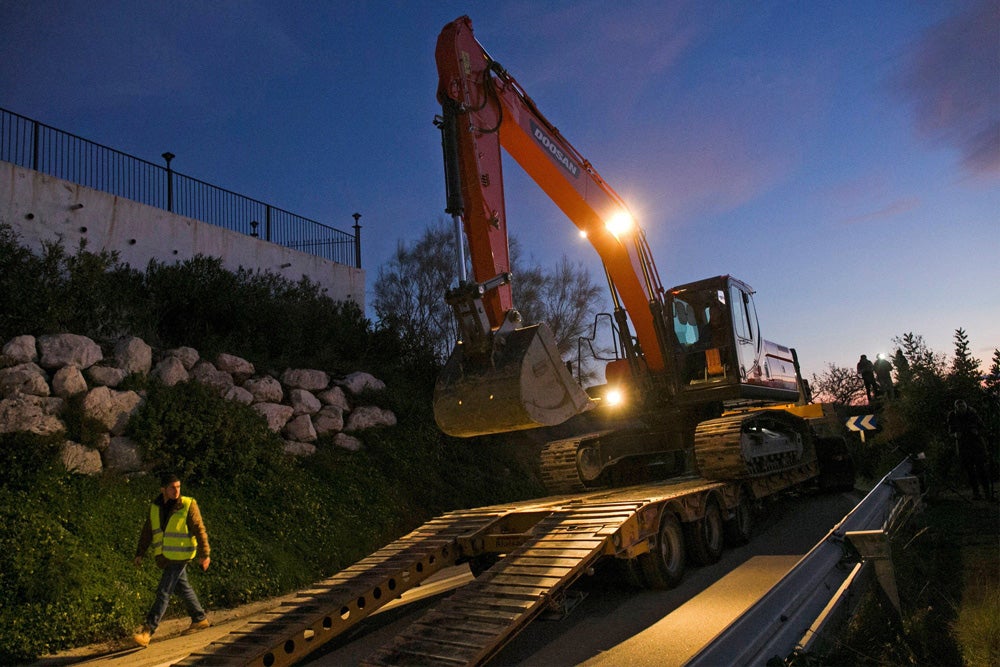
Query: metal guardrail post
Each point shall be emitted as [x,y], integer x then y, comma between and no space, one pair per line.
[777,622]
[34,145]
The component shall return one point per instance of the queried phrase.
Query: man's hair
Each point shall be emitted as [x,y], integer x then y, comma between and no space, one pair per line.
[168,478]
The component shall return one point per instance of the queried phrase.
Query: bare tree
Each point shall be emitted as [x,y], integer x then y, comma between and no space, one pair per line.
[838,385]
[410,288]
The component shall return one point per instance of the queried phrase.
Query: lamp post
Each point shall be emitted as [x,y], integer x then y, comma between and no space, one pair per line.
[168,156]
[357,240]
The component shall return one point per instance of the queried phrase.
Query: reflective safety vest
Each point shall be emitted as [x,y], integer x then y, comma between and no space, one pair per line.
[174,542]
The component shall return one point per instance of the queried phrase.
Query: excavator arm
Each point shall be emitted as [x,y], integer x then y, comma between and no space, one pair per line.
[485,110]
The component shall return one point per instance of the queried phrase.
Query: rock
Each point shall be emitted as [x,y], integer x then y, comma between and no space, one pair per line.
[79,459]
[369,416]
[241,369]
[106,376]
[304,402]
[206,373]
[133,355]
[68,381]
[170,371]
[239,395]
[310,380]
[32,414]
[187,356]
[26,378]
[299,448]
[334,396]
[329,419]
[300,429]
[359,382]
[19,350]
[65,349]
[123,455]
[348,442]
[112,409]
[277,415]
[265,390]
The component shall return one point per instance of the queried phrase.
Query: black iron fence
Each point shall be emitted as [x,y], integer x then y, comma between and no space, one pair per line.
[33,145]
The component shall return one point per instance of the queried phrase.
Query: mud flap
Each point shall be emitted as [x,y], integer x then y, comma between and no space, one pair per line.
[524,384]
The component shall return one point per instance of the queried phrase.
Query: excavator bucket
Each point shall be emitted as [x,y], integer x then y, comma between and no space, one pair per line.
[525,384]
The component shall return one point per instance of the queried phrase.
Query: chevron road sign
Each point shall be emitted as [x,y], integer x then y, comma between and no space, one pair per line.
[862,423]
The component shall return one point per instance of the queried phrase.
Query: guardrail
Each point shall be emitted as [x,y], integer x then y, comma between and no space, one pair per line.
[807,602]
[34,145]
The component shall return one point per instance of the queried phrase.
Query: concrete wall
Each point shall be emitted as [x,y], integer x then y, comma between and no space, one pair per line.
[42,208]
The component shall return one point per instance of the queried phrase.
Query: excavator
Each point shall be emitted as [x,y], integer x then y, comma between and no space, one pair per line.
[692,383]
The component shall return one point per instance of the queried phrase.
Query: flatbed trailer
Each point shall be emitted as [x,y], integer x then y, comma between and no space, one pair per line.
[531,552]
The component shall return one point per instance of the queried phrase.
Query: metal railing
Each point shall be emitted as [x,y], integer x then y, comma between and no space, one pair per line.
[34,145]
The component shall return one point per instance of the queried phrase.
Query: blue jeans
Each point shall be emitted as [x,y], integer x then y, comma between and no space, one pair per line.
[173,580]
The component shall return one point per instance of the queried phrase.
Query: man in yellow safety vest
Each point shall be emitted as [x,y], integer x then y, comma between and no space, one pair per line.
[175,530]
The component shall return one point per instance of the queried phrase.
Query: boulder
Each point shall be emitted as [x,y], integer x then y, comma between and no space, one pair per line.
[79,459]
[64,349]
[300,429]
[329,419]
[170,371]
[334,396]
[369,416]
[68,381]
[26,378]
[239,395]
[265,390]
[241,369]
[276,414]
[301,378]
[19,350]
[106,376]
[348,442]
[304,402]
[187,356]
[206,373]
[359,382]
[122,455]
[133,355]
[112,409]
[32,414]
[299,448]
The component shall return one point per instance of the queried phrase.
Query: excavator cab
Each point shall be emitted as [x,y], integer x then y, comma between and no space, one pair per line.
[719,353]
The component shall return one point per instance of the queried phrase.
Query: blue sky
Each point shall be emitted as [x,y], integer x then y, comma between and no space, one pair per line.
[841,157]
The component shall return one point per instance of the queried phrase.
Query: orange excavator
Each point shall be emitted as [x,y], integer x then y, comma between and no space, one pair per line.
[684,357]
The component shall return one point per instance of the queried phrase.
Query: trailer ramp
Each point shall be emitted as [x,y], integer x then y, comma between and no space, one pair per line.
[547,544]
[476,621]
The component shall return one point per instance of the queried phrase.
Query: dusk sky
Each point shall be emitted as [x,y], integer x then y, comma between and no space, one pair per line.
[842,157]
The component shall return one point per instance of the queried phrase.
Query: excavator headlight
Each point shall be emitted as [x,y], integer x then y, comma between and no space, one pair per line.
[614,397]
[620,223]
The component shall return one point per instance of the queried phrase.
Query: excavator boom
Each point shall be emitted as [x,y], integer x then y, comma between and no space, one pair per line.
[486,111]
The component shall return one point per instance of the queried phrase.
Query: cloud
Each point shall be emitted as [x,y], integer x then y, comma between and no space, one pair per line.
[897,207]
[950,79]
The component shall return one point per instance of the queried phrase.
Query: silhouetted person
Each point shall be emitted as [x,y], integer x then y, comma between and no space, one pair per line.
[867,372]
[883,371]
[965,426]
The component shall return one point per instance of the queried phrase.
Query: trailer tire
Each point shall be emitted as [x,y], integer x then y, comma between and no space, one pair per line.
[663,567]
[704,536]
[738,529]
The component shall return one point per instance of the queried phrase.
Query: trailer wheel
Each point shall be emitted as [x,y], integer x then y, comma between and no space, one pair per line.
[663,567]
[705,534]
[738,529]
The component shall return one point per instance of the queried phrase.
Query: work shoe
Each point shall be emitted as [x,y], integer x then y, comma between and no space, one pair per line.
[196,626]
[143,637]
